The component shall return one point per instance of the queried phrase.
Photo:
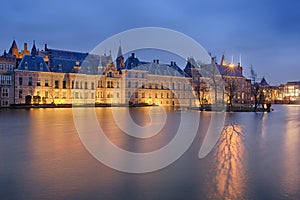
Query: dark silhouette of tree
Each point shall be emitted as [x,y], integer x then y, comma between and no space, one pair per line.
[28,99]
[255,90]
[231,88]
[215,82]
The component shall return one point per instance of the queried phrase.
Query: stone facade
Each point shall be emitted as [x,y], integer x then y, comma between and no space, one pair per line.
[7,66]
[61,77]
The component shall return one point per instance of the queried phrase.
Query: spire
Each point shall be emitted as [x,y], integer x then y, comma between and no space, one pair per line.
[120,53]
[120,58]
[33,50]
[14,49]
[223,63]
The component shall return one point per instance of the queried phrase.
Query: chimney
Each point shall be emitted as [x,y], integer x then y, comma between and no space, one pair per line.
[171,63]
[46,47]
[154,60]
[239,67]
[25,46]
[157,61]
[174,63]
[132,55]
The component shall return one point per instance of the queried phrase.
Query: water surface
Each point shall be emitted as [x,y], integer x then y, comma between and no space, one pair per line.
[257,157]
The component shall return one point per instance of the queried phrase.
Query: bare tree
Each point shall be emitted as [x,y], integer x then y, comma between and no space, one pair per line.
[231,88]
[216,83]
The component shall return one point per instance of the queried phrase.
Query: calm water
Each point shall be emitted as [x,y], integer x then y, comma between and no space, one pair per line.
[257,157]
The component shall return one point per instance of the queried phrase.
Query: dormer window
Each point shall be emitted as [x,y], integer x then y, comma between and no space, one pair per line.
[59,67]
[26,65]
[41,67]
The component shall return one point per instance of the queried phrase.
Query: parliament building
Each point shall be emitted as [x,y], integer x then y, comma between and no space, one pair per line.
[54,77]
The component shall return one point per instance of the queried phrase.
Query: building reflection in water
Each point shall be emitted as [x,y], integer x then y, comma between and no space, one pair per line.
[290,179]
[230,172]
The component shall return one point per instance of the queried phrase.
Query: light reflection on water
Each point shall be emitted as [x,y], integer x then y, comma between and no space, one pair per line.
[257,157]
[230,167]
[291,166]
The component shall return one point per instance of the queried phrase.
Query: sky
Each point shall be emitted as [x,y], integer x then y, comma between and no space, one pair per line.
[265,33]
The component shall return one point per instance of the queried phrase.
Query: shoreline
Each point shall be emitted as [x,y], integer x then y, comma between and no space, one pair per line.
[206,108]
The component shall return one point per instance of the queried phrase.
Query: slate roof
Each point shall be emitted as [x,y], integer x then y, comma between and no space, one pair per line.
[64,61]
[153,68]
[190,66]
[228,71]
[33,63]
[131,63]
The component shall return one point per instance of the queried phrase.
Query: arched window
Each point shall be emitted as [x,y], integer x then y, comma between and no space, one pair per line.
[110,74]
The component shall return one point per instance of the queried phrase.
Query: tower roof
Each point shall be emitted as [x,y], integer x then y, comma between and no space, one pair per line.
[223,62]
[14,48]
[33,50]
[14,45]
[120,53]
[263,82]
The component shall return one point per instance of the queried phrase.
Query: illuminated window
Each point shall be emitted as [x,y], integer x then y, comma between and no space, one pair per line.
[38,82]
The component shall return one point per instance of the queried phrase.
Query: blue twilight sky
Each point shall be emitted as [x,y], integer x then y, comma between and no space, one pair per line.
[266,33]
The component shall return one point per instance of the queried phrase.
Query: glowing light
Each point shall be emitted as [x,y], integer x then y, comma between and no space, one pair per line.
[231,65]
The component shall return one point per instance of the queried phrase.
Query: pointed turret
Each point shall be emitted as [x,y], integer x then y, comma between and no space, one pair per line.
[33,49]
[223,62]
[263,82]
[120,59]
[14,49]
[120,54]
